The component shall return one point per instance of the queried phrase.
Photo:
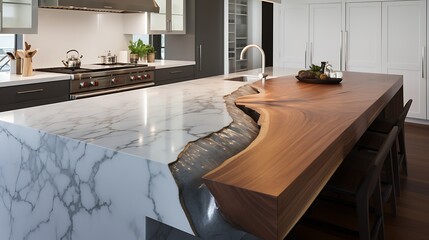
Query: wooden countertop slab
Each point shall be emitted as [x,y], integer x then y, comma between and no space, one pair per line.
[306,131]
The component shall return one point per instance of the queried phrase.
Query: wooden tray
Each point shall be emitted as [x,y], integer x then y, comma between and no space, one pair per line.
[318,81]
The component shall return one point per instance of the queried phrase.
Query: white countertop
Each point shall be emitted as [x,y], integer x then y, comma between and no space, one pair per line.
[160,64]
[7,79]
[155,123]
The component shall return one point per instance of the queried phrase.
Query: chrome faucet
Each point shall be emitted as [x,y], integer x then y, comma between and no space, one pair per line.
[262,75]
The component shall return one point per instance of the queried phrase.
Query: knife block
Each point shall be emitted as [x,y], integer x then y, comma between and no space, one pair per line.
[27,69]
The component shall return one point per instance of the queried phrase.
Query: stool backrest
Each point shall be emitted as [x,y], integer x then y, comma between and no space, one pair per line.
[369,182]
[401,118]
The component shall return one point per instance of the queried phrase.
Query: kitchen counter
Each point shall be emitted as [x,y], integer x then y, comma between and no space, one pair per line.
[104,162]
[104,157]
[161,64]
[7,79]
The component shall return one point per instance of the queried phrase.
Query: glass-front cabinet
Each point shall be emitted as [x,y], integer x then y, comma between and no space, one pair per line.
[171,18]
[18,16]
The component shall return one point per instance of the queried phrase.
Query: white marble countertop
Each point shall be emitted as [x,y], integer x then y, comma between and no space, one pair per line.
[7,79]
[154,123]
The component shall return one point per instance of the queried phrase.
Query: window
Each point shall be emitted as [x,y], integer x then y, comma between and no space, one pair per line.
[7,44]
[158,41]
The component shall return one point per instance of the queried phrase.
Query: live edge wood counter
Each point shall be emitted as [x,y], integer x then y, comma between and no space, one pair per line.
[306,131]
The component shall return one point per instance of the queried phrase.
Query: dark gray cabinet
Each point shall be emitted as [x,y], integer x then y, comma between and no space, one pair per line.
[174,74]
[30,95]
[209,37]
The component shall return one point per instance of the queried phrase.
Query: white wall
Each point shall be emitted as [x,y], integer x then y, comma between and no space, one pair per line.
[91,33]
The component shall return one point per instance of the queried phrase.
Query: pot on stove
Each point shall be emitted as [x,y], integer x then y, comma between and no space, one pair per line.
[109,59]
[73,61]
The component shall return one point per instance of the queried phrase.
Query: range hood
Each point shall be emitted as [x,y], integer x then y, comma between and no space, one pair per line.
[116,6]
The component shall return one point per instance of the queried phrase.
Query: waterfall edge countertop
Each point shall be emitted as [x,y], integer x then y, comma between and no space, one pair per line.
[102,162]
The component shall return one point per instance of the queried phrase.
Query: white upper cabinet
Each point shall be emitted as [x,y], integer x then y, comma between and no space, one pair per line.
[171,18]
[362,37]
[404,49]
[18,16]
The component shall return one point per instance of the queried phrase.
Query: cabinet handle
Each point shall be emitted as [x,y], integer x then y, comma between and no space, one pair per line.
[176,72]
[346,46]
[30,91]
[201,57]
[305,55]
[341,50]
[423,61]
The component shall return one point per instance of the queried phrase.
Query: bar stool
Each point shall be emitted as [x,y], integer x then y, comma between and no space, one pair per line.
[375,135]
[359,177]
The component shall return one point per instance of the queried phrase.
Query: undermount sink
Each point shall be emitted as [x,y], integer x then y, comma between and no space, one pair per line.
[244,78]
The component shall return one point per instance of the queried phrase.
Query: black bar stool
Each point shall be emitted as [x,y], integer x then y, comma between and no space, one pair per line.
[358,178]
[377,132]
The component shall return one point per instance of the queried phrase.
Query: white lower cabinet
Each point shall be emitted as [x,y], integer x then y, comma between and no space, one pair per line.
[325,30]
[404,49]
[293,37]
[309,34]
[363,36]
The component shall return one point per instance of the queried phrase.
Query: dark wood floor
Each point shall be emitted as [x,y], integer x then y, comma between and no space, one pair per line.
[412,220]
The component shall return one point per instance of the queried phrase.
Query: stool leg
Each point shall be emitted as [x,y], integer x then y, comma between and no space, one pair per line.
[391,180]
[378,208]
[402,151]
[362,210]
[395,166]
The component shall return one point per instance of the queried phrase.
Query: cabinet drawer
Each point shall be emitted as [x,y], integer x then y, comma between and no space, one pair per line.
[175,74]
[29,95]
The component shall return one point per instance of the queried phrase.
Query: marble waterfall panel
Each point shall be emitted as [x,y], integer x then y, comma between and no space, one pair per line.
[53,187]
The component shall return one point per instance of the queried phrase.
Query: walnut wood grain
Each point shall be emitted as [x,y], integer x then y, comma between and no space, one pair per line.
[306,131]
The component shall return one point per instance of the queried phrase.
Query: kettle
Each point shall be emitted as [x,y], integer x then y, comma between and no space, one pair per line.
[73,61]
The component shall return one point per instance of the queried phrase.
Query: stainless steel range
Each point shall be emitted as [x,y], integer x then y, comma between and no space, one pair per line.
[98,79]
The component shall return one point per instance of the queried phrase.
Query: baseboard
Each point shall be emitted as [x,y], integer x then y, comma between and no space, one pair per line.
[417,121]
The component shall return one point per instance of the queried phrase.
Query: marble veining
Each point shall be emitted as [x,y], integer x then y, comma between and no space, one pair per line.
[154,123]
[58,188]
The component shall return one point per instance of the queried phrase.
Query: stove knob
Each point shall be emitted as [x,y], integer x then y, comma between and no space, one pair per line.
[132,78]
[92,83]
[113,80]
[145,76]
[82,85]
[139,77]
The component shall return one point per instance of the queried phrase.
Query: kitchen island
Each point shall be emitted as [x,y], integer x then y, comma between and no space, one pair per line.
[96,168]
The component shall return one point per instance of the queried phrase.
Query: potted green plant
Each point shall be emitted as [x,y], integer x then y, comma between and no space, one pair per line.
[137,50]
[150,50]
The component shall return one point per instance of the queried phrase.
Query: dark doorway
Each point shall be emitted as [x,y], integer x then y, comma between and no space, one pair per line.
[267,32]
